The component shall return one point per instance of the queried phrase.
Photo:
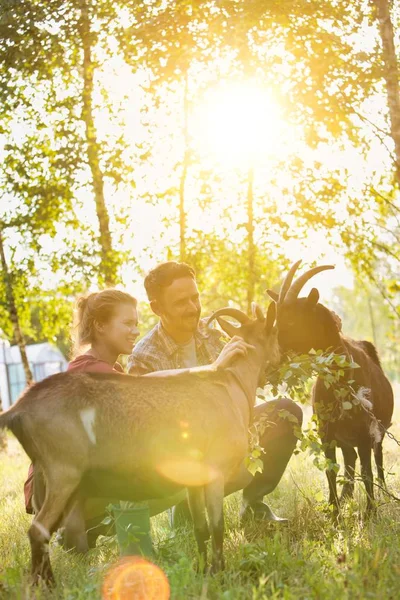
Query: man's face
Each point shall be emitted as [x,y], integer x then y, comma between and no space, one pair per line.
[179,306]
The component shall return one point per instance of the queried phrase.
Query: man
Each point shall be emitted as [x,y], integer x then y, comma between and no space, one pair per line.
[181,340]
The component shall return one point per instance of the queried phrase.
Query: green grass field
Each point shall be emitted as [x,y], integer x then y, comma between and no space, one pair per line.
[310,558]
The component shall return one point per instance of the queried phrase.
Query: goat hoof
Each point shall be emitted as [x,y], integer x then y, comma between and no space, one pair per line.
[334,513]
[201,567]
[217,566]
[370,513]
[46,577]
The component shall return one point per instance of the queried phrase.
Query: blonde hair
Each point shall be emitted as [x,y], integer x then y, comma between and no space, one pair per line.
[98,306]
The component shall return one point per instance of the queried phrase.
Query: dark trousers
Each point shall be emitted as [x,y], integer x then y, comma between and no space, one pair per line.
[278,441]
[280,419]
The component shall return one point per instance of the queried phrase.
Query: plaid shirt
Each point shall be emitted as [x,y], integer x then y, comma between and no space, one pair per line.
[157,351]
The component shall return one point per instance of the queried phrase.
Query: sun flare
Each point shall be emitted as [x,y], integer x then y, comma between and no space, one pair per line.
[238,123]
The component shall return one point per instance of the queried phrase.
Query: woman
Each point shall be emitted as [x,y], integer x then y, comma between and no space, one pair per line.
[106,323]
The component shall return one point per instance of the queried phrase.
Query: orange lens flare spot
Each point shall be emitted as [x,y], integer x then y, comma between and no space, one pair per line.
[188,472]
[135,578]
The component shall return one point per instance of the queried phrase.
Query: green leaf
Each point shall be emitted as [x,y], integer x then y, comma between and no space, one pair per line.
[255,466]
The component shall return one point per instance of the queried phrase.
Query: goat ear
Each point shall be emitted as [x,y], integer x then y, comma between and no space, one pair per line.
[273,295]
[230,329]
[271,316]
[257,312]
[313,296]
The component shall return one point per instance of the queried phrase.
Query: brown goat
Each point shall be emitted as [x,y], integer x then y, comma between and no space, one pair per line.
[304,324]
[140,438]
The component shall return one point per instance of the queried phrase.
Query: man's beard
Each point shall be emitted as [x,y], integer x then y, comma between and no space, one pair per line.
[190,322]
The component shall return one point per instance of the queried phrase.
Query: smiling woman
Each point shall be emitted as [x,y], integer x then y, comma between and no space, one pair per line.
[106,326]
[106,321]
[237,122]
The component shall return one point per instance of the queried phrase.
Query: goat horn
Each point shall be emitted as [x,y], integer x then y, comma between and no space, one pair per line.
[300,282]
[237,314]
[287,282]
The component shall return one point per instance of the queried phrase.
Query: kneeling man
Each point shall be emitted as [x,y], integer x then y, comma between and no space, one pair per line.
[182,340]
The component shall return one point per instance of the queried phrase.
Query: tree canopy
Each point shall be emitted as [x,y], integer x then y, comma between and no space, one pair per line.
[233,135]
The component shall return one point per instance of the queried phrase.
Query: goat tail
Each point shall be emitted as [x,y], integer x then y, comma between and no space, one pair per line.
[6,418]
[14,420]
[11,419]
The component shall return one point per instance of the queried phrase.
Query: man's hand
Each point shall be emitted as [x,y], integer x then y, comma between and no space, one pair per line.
[235,348]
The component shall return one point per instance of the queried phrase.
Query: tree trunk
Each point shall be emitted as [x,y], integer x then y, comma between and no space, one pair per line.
[108,261]
[3,434]
[391,75]
[185,167]
[250,239]
[12,309]
[372,320]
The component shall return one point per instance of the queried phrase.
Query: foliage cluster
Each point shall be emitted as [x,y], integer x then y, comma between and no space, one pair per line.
[102,174]
[293,379]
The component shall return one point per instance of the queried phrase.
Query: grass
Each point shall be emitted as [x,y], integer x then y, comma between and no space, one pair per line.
[310,559]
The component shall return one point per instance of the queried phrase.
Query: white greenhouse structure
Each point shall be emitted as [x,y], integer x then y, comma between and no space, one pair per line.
[44,359]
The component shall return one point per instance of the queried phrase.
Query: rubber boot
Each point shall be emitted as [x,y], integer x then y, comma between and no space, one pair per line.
[133,530]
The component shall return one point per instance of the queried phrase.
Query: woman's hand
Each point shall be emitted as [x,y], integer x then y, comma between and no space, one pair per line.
[235,348]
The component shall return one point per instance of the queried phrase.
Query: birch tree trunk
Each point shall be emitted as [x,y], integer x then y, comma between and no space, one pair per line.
[185,167]
[12,309]
[391,74]
[250,239]
[3,434]
[108,262]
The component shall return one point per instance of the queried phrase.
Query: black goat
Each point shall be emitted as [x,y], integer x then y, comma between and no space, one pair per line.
[304,324]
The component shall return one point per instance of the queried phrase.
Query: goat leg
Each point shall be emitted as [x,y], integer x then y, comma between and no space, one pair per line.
[350,457]
[214,493]
[364,452]
[39,489]
[378,453]
[330,454]
[201,532]
[59,489]
[75,536]
[41,568]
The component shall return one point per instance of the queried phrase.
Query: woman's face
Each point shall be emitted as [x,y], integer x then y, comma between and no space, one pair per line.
[121,330]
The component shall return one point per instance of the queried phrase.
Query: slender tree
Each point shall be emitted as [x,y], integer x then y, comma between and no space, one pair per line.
[184,172]
[88,38]
[390,74]
[13,311]
[251,249]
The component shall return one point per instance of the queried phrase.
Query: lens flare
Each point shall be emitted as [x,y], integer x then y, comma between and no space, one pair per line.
[134,578]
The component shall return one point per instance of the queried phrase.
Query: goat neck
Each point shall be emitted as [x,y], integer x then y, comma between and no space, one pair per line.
[261,334]
[246,372]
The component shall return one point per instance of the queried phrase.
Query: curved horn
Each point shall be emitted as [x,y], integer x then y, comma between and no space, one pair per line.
[300,282]
[230,312]
[287,282]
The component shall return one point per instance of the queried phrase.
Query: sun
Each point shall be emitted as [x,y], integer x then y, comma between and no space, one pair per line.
[237,123]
